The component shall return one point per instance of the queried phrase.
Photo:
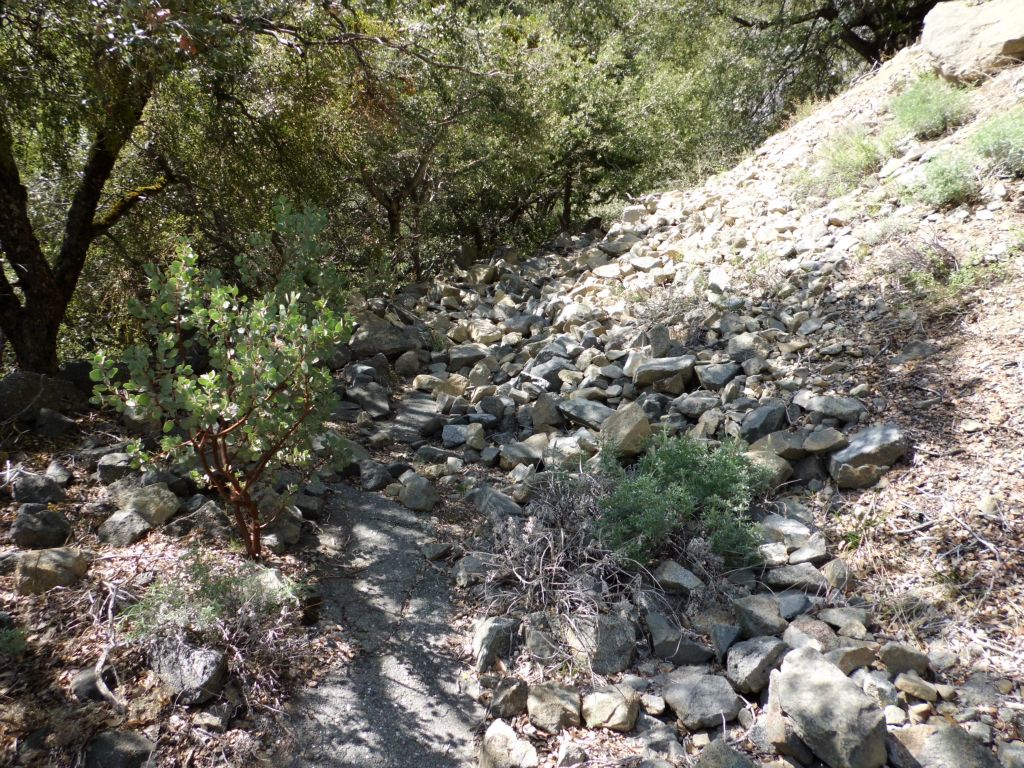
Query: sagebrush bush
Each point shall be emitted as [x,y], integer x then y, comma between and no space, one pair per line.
[844,161]
[1000,141]
[930,107]
[12,641]
[682,482]
[949,179]
[203,596]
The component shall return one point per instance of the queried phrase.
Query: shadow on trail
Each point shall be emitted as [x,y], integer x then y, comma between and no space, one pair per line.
[398,703]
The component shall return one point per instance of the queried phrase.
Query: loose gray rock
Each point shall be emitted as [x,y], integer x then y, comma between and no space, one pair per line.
[751,662]
[759,615]
[718,754]
[614,707]
[553,706]
[493,504]
[418,494]
[900,657]
[194,675]
[938,745]
[493,638]
[155,504]
[502,748]
[123,528]
[763,420]
[717,375]
[376,336]
[509,697]
[803,577]
[608,643]
[703,701]
[119,749]
[37,489]
[628,430]
[667,642]
[43,569]
[112,467]
[860,464]
[663,368]
[586,412]
[831,714]
[846,409]
[675,579]
[36,526]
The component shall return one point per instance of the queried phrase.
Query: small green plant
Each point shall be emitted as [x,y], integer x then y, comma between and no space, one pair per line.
[680,482]
[204,596]
[1000,141]
[844,162]
[12,642]
[949,179]
[235,382]
[931,107]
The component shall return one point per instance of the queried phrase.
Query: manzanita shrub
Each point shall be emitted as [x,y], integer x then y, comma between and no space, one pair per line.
[234,382]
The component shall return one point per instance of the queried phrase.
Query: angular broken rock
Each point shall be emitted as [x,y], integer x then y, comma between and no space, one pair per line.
[937,745]
[607,643]
[39,527]
[586,412]
[502,748]
[553,706]
[418,494]
[759,615]
[195,675]
[751,662]
[703,701]
[614,707]
[662,368]
[493,638]
[509,698]
[675,579]
[870,452]
[718,754]
[494,505]
[43,569]
[627,430]
[831,714]
[667,642]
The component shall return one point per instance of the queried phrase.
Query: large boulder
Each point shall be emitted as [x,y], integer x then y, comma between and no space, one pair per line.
[831,714]
[23,394]
[970,40]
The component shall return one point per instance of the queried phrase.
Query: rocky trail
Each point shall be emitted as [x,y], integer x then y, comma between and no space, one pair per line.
[399,703]
[862,348]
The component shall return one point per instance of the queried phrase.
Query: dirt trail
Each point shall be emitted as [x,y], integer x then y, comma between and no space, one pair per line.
[398,703]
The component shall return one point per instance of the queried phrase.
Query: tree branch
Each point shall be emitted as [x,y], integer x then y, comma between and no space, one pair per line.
[129,200]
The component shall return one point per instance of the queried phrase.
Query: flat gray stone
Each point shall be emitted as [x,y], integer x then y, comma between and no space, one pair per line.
[703,701]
